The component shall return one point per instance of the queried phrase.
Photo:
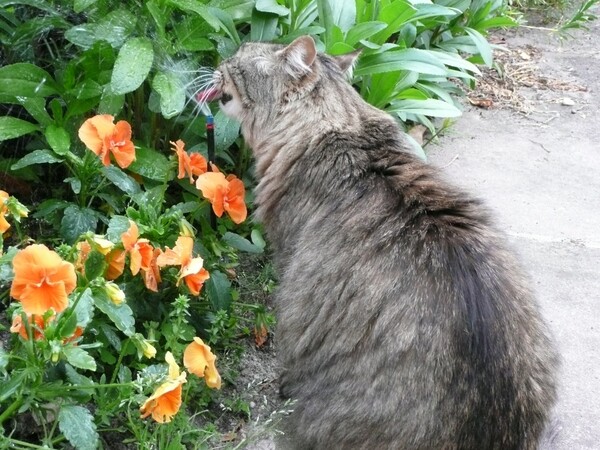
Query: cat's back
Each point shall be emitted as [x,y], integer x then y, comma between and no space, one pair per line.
[402,315]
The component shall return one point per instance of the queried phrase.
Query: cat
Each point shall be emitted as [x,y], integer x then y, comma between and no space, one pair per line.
[403,321]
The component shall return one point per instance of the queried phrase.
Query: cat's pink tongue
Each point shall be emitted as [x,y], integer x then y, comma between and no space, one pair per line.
[208,95]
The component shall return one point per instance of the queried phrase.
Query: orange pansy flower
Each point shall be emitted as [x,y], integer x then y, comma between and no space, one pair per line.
[200,361]
[151,276]
[102,136]
[191,268]
[42,280]
[140,250]
[198,164]
[189,164]
[4,225]
[164,403]
[225,194]
[116,264]
[36,321]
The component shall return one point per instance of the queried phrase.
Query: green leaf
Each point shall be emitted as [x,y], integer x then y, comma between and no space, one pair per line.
[496,22]
[411,59]
[76,378]
[75,184]
[82,5]
[36,157]
[257,239]
[241,243]
[288,38]
[121,180]
[263,26]
[226,131]
[172,93]
[87,90]
[94,265]
[272,7]
[150,164]
[454,60]
[340,48]
[36,106]
[58,139]
[429,107]
[218,288]
[202,10]
[364,30]
[67,327]
[77,425]
[339,13]
[8,388]
[484,48]
[132,66]
[77,221]
[227,24]
[11,127]
[79,358]
[84,310]
[396,15]
[111,104]
[121,315]
[116,227]
[26,80]
[3,360]
[113,28]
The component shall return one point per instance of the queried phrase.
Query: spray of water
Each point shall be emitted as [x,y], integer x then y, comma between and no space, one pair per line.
[194,81]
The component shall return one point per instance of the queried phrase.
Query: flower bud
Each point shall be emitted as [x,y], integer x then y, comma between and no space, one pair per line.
[102,245]
[148,349]
[114,292]
[143,345]
[186,228]
[16,208]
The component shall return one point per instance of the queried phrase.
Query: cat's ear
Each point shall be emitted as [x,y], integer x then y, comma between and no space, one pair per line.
[299,56]
[346,62]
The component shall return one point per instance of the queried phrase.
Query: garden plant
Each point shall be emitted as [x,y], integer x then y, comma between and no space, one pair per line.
[122,311]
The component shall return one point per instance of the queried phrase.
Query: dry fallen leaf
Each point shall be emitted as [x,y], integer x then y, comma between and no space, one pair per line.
[481,102]
[260,336]
[418,133]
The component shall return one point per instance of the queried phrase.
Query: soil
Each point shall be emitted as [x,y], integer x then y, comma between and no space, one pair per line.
[527,144]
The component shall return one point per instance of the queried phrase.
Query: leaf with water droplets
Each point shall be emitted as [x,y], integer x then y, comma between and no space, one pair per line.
[132,65]
[26,80]
[172,94]
[11,127]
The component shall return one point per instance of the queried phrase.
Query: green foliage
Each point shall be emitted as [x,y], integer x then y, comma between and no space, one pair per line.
[68,61]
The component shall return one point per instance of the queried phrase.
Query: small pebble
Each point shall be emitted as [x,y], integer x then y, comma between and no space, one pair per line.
[567,102]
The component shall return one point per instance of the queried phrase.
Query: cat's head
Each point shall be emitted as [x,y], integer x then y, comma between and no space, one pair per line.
[261,79]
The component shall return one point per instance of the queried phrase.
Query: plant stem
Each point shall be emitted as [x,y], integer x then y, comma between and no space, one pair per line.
[11,409]
[24,444]
[90,386]
[121,355]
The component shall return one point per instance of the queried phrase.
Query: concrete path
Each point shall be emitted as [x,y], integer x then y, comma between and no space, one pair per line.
[543,183]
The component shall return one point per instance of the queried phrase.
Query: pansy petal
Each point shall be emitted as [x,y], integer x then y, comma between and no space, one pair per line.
[4,225]
[94,130]
[116,264]
[122,131]
[39,299]
[124,154]
[213,186]
[130,237]
[195,281]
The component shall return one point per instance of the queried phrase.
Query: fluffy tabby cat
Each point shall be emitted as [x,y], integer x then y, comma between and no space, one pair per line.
[403,322]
